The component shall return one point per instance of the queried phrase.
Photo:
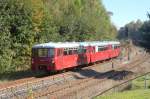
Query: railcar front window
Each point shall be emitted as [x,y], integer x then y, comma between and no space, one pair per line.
[43,52]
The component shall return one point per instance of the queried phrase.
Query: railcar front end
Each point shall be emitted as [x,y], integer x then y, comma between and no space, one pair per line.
[43,59]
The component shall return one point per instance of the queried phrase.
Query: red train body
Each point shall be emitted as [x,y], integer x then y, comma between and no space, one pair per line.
[58,56]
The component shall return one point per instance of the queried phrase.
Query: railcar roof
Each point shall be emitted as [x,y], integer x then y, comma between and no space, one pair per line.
[114,42]
[74,44]
[84,43]
[57,45]
[98,43]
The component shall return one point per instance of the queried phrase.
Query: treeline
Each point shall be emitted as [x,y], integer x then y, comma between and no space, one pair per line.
[138,32]
[24,23]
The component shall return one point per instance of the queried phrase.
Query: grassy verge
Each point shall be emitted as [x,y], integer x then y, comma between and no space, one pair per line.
[22,74]
[135,94]
[139,83]
[138,91]
[6,77]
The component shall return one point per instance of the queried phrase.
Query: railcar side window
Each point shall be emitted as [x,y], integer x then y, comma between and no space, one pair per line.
[106,48]
[118,46]
[75,50]
[70,52]
[102,48]
[115,46]
[66,51]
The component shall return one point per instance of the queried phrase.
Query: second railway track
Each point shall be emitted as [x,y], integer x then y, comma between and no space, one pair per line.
[71,88]
[54,86]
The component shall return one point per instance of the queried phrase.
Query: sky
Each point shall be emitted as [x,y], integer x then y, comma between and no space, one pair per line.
[125,11]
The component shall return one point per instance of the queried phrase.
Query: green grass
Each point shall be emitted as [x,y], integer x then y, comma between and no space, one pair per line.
[137,91]
[139,83]
[135,94]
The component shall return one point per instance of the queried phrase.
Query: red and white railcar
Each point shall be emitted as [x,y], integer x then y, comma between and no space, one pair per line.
[54,56]
[58,56]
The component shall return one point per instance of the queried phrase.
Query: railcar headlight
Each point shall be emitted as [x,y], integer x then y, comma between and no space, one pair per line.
[32,61]
[53,61]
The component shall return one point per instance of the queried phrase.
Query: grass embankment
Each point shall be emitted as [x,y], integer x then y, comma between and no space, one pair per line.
[138,91]
[7,77]
[135,94]
[139,83]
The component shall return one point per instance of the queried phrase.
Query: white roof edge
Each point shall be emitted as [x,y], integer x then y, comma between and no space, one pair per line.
[74,44]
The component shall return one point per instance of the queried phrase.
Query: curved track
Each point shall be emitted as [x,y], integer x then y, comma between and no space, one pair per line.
[69,90]
[53,83]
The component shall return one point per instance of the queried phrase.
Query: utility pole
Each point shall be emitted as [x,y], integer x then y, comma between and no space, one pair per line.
[112,63]
[145,82]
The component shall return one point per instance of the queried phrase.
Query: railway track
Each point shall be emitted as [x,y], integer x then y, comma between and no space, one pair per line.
[22,89]
[23,86]
[71,89]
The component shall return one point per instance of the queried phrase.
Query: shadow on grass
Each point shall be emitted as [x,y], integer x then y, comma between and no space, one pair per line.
[113,74]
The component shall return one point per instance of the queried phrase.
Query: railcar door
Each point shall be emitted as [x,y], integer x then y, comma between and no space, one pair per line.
[88,54]
[93,53]
[59,59]
[83,56]
[110,51]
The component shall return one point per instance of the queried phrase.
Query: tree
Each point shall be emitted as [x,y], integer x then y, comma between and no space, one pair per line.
[16,34]
[24,23]
[145,30]
[131,31]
